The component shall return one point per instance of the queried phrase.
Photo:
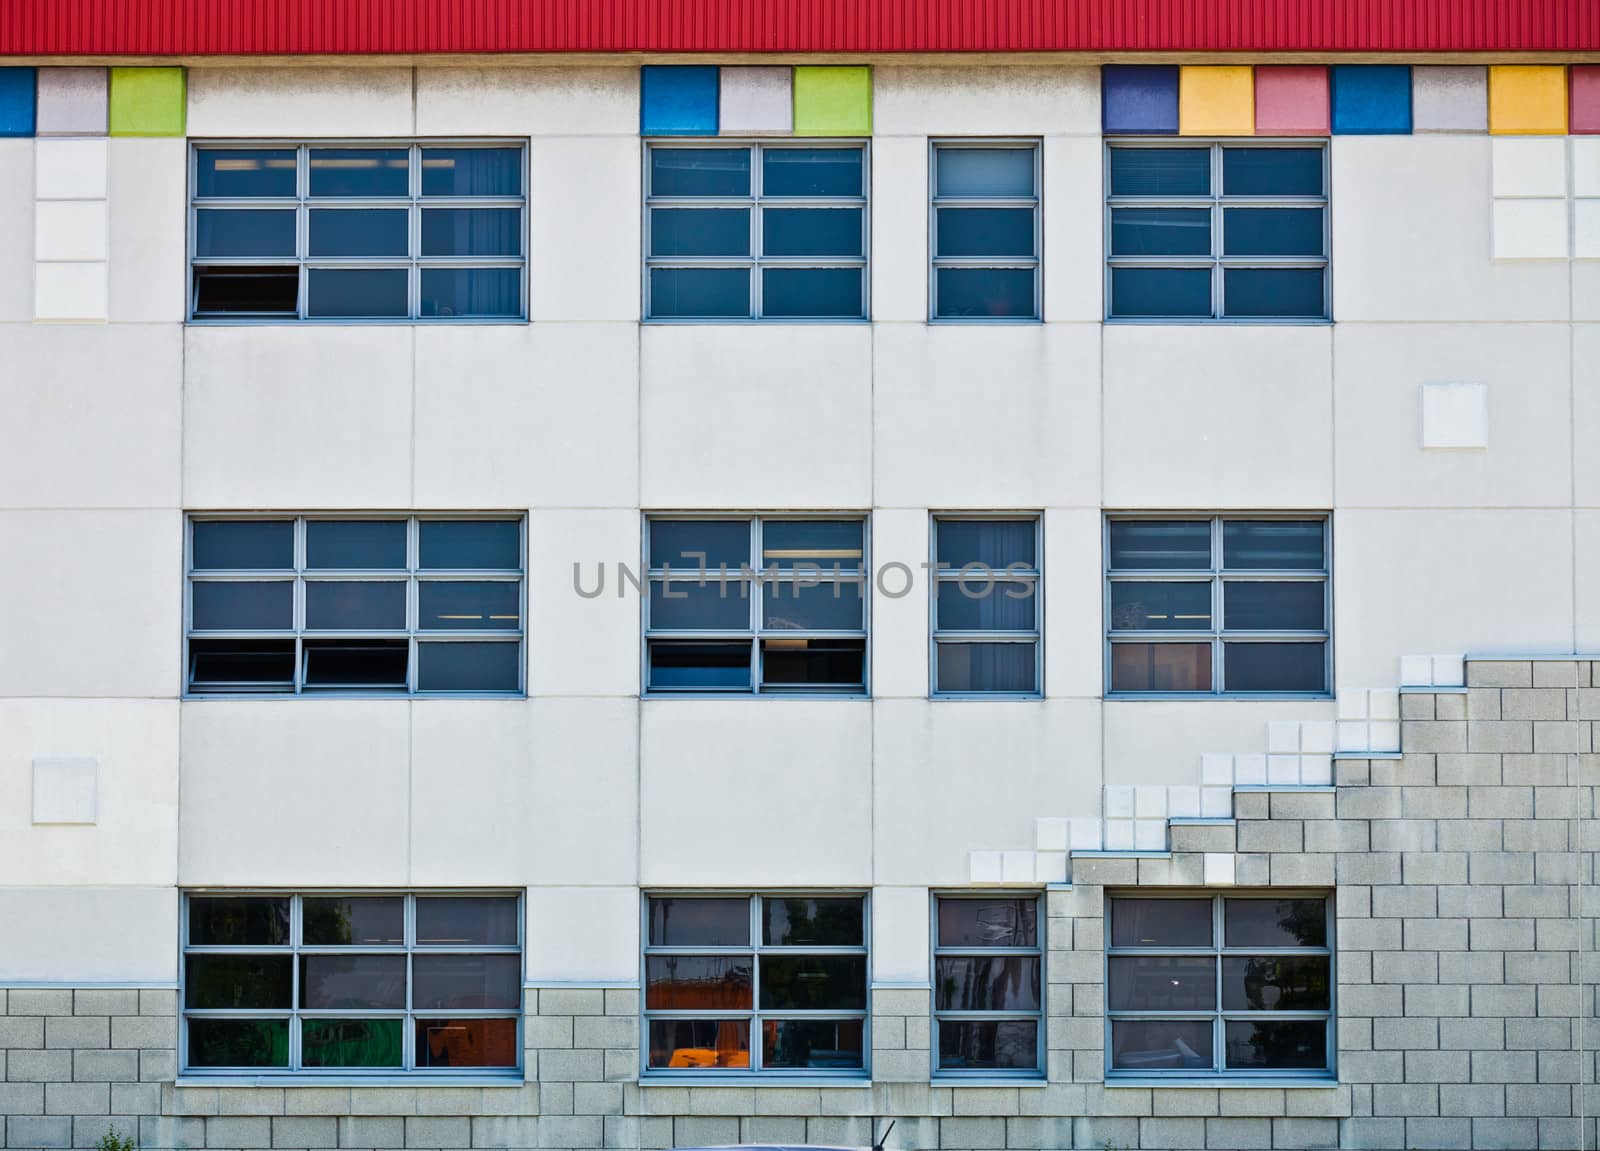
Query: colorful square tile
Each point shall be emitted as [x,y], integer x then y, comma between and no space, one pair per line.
[73,101]
[147,102]
[832,101]
[1528,99]
[1291,100]
[678,100]
[1450,98]
[16,101]
[756,102]
[1370,99]
[1139,99]
[1583,99]
[1216,101]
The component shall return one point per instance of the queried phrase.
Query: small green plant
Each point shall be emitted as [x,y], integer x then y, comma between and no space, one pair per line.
[113,1140]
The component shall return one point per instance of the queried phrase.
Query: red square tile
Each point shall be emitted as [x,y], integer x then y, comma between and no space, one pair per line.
[1291,100]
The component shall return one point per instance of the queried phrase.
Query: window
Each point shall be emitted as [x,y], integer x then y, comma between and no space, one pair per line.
[717,620]
[756,983]
[1217,231]
[986,605]
[988,983]
[1239,985]
[1235,605]
[369,604]
[756,232]
[325,983]
[346,232]
[985,241]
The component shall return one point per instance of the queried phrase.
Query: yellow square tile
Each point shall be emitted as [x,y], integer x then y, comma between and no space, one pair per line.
[1527,99]
[1216,101]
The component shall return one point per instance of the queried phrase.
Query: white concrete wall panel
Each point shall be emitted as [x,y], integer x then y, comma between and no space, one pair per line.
[899,264]
[67,292]
[1160,742]
[583,645]
[900,622]
[1074,579]
[901,925]
[94,935]
[518,100]
[71,169]
[16,238]
[1074,229]
[583,935]
[584,251]
[916,100]
[583,821]
[1586,555]
[311,102]
[1585,412]
[149,271]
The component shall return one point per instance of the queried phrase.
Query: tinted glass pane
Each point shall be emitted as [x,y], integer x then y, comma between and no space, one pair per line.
[821,663]
[696,545]
[465,921]
[236,982]
[1161,232]
[811,922]
[230,922]
[1266,606]
[699,292]
[697,982]
[1161,545]
[719,604]
[1160,292]
[1008,667]
[241,664]
[700,922]
[356,544]
[355,605]
[471,545]
[1161,667]
[988,923]
[992,543]
[1161,923]
[351,1043]
[1272,231]
[1272,171]
[1269,544]
[700,171]
[472,171]
[981,604]
[238,1042]
[825,543]
[986,983]
[1275,923]
[254,291]
[1275,983]
[993,232]
[811,232]
[466,982]
[997,293]
[233,605]
[360,172]
[700,231]
[814,982]
[1276,1044]
[811,172]
[371,292]
[832,1043]
[469,604]
[374,664]
[455,292]
[830,606]
[689,1043]
[363,922]
[353,982]
[244,232]
[472,231]
[1272,292]
[1161,983]
[1274,667]
[984,171]
[1160,606]
[244,172]
[1160,171]
[699,666]
[466,1043]
[360,232]
[1006,1044]
[1161,1044]
[811,292]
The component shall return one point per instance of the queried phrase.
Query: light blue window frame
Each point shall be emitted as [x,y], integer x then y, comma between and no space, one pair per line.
[1035,202]
[1041,1017]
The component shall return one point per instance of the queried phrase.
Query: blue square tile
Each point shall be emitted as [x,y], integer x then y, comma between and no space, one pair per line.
[1139,99]
[1371,99]
[678,101]
[16,101]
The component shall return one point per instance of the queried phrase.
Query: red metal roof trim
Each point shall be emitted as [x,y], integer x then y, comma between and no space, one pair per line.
[296,27]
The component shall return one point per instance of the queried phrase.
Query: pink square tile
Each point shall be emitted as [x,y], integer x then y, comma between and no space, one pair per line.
[1291,100]
[1583,100]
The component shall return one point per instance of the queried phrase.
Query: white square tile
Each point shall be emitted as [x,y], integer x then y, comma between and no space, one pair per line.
[1283,769]
[1119,802]
[1384,703]
[1586,165]
[1216,769]
[69,230]
[1016,867]
[1416,671]
[1317,736]
[1352,735]
[1283,735]
[1150,834]
[70,169]
[1183,802]
[1086,835]
[1216,802]
[1353,703]
[1530,229]
[1586,229]
[1050,867]
[1249,770]
[1455,415]
[1449,670]
[1384,736]
[1530,166]
[756,101]
[1150,802]
[69,291]
[66,790]
[984,866]
[1316,770]
[1219,869]
[1119,835]
[1050,834]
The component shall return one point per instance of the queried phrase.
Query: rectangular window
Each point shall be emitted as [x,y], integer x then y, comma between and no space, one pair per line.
[988,983]
[756,604]
[371,604]
[986,605]
[773,231]
[370,984]
[1219,985]
[1235,231]
[374,231]
[984,219]
[1219,605]
[747,984]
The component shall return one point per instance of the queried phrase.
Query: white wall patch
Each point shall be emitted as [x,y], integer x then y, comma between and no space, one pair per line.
[1455,415]
[66,790]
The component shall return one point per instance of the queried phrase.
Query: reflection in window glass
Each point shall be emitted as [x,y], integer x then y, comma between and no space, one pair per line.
[988,984]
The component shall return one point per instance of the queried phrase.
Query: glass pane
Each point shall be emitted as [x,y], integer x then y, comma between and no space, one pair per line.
[471,545]
[689,922]
[1161,232]
[226,663]
[1272,231]
[360,172]
[988,923]
[1272,292]
[1276,1044]
[472,231]
[1273,606]
[811,922]
[991,232]
[480,604]
[472,171]
[231,922]
[238,1042]
[831,1043]
[1161,1044]
[696,545]
[351,1043]
[820,663]
[353,982]
[717,605]
[244,232]
[1272,171]
[1160,292]
[478,292]
[699,171]
[697,982]
[1160,545]
[1007,667]
[691,1043]
[377,921]
[1274,667]
[466,1043]
[356,545]
[254,291]
[699,292]
[1161,983]
[1161,923]
[1161,667]
[1161,171]
[811,232]
[232,605]
[1275,923]
[992,543]
[1272,544]
[1003,1045]
[821,542]
[355,605]
[1276,983]
[984,171]
[367,233]
[811,172]
[466,982]
[818,293]
[978,604]
[996,293]
[828,606]
[814,982]
[376,664]
[466,921]
[986,983]
[244,172]
[238,982]
[357,292]
[1160,606]
[699,666]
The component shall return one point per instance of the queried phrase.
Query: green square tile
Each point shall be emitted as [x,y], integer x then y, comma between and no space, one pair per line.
[147,101]
[832,101]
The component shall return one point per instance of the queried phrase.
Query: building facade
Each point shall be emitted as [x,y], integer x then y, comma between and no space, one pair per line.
[692,576]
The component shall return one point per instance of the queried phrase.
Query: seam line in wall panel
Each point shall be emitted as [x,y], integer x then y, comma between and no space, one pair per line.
[411,790]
